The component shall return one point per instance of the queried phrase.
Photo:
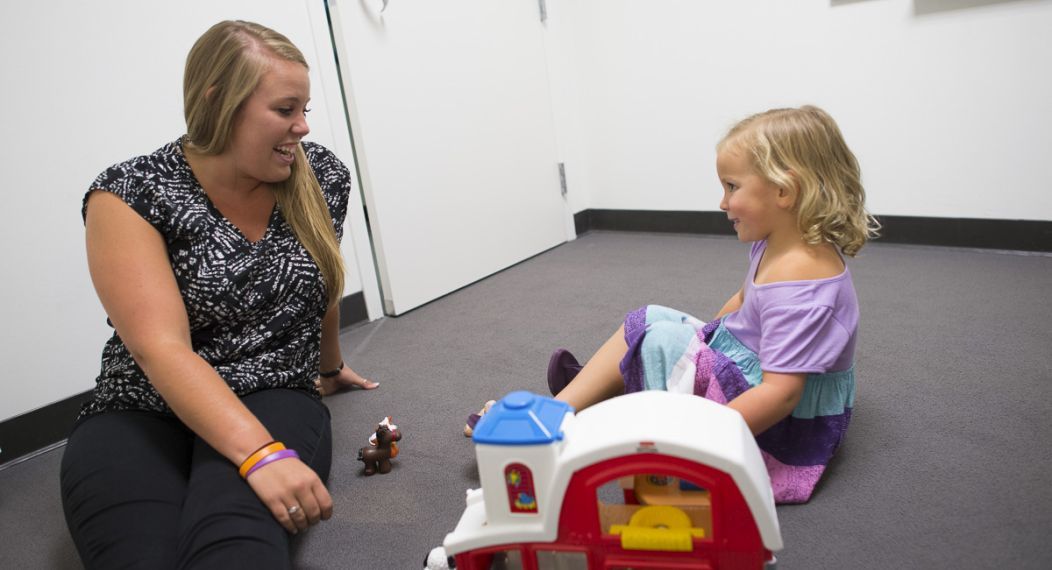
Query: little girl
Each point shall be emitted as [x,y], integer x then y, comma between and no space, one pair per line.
[781,350]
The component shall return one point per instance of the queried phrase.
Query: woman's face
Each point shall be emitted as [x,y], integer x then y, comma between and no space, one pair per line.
[271,122]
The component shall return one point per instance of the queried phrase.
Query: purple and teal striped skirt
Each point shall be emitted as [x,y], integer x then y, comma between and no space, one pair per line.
[673,351]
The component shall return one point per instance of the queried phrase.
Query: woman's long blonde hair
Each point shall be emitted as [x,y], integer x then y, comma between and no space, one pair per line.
[223,68]
[803,148]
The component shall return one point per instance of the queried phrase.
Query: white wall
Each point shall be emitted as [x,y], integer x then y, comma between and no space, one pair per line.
[947,103]
[86,85]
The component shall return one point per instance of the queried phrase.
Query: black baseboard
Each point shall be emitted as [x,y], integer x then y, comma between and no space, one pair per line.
[653,221]
[30,432]
[1020,235]
[353,310]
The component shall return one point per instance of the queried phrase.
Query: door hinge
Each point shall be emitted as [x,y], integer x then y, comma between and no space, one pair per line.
[562,177]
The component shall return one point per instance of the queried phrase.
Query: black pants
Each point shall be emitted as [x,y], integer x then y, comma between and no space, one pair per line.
[140,490]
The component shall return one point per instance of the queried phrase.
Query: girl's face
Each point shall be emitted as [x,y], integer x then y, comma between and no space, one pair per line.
[271,123]
[755,205]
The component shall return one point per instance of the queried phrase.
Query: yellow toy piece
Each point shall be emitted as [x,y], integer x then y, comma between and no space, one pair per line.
[658,527]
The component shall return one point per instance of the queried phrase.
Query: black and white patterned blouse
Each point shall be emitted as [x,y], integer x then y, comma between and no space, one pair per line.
[255,309]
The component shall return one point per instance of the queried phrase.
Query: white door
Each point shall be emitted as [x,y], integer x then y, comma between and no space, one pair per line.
[451,117]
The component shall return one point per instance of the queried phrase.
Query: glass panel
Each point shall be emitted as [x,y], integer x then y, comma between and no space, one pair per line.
[506,560]
[561,560]
[613,492]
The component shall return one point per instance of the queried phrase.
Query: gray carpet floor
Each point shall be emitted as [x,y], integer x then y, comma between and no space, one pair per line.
[946,464]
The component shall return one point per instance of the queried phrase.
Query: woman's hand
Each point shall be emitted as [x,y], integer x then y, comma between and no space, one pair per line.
[347,379]
[289,484]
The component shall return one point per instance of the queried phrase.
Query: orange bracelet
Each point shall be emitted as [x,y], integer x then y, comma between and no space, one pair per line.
[264,451]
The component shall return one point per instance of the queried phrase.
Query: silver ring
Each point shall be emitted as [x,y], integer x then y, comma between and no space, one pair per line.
[293,510]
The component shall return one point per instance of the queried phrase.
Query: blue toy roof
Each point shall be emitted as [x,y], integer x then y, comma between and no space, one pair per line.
[522,418]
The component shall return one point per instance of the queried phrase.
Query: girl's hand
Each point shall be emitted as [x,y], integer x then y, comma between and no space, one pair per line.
[769,403]
[288,483]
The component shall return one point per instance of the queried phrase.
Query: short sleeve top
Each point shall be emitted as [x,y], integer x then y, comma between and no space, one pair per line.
[254,308]
[797,326]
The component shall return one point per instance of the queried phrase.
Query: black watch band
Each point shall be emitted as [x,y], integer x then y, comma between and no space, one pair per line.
[331,373]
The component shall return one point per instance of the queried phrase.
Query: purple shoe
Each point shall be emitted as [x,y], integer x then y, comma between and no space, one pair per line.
[473,419]
[562,368]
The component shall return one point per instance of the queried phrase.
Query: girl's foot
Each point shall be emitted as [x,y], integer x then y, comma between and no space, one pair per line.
[347,379]
[473,419]
[562,368]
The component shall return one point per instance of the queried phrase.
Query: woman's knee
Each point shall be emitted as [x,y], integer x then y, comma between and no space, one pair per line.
[123,481]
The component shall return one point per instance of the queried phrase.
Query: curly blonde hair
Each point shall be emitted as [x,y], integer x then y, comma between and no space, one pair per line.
[803,148]
[223,68]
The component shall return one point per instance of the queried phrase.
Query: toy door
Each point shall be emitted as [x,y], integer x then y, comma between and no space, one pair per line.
[709,520]
[451,116]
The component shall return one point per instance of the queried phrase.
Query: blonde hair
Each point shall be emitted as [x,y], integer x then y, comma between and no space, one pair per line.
[804,149]
[223,69]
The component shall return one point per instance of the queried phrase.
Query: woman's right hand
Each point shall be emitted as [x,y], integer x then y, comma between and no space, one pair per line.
[288,483]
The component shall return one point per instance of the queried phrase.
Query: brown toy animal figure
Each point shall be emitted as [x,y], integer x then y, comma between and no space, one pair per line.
[378,458]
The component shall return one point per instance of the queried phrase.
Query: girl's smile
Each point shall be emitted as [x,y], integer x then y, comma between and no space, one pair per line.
[755,206]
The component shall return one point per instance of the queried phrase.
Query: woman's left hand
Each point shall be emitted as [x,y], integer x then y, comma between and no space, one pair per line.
[347,379]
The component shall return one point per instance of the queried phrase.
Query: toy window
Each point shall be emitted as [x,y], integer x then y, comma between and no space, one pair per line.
[637,505]
[506,560]
[562,560]
[522,498]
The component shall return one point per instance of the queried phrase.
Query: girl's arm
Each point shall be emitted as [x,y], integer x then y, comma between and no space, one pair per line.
[732,304]
[771,401]
[129,266]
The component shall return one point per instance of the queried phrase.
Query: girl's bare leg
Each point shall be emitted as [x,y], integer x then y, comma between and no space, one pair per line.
[600,379]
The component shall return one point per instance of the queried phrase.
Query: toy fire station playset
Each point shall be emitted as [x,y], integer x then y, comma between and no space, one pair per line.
[646,480]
